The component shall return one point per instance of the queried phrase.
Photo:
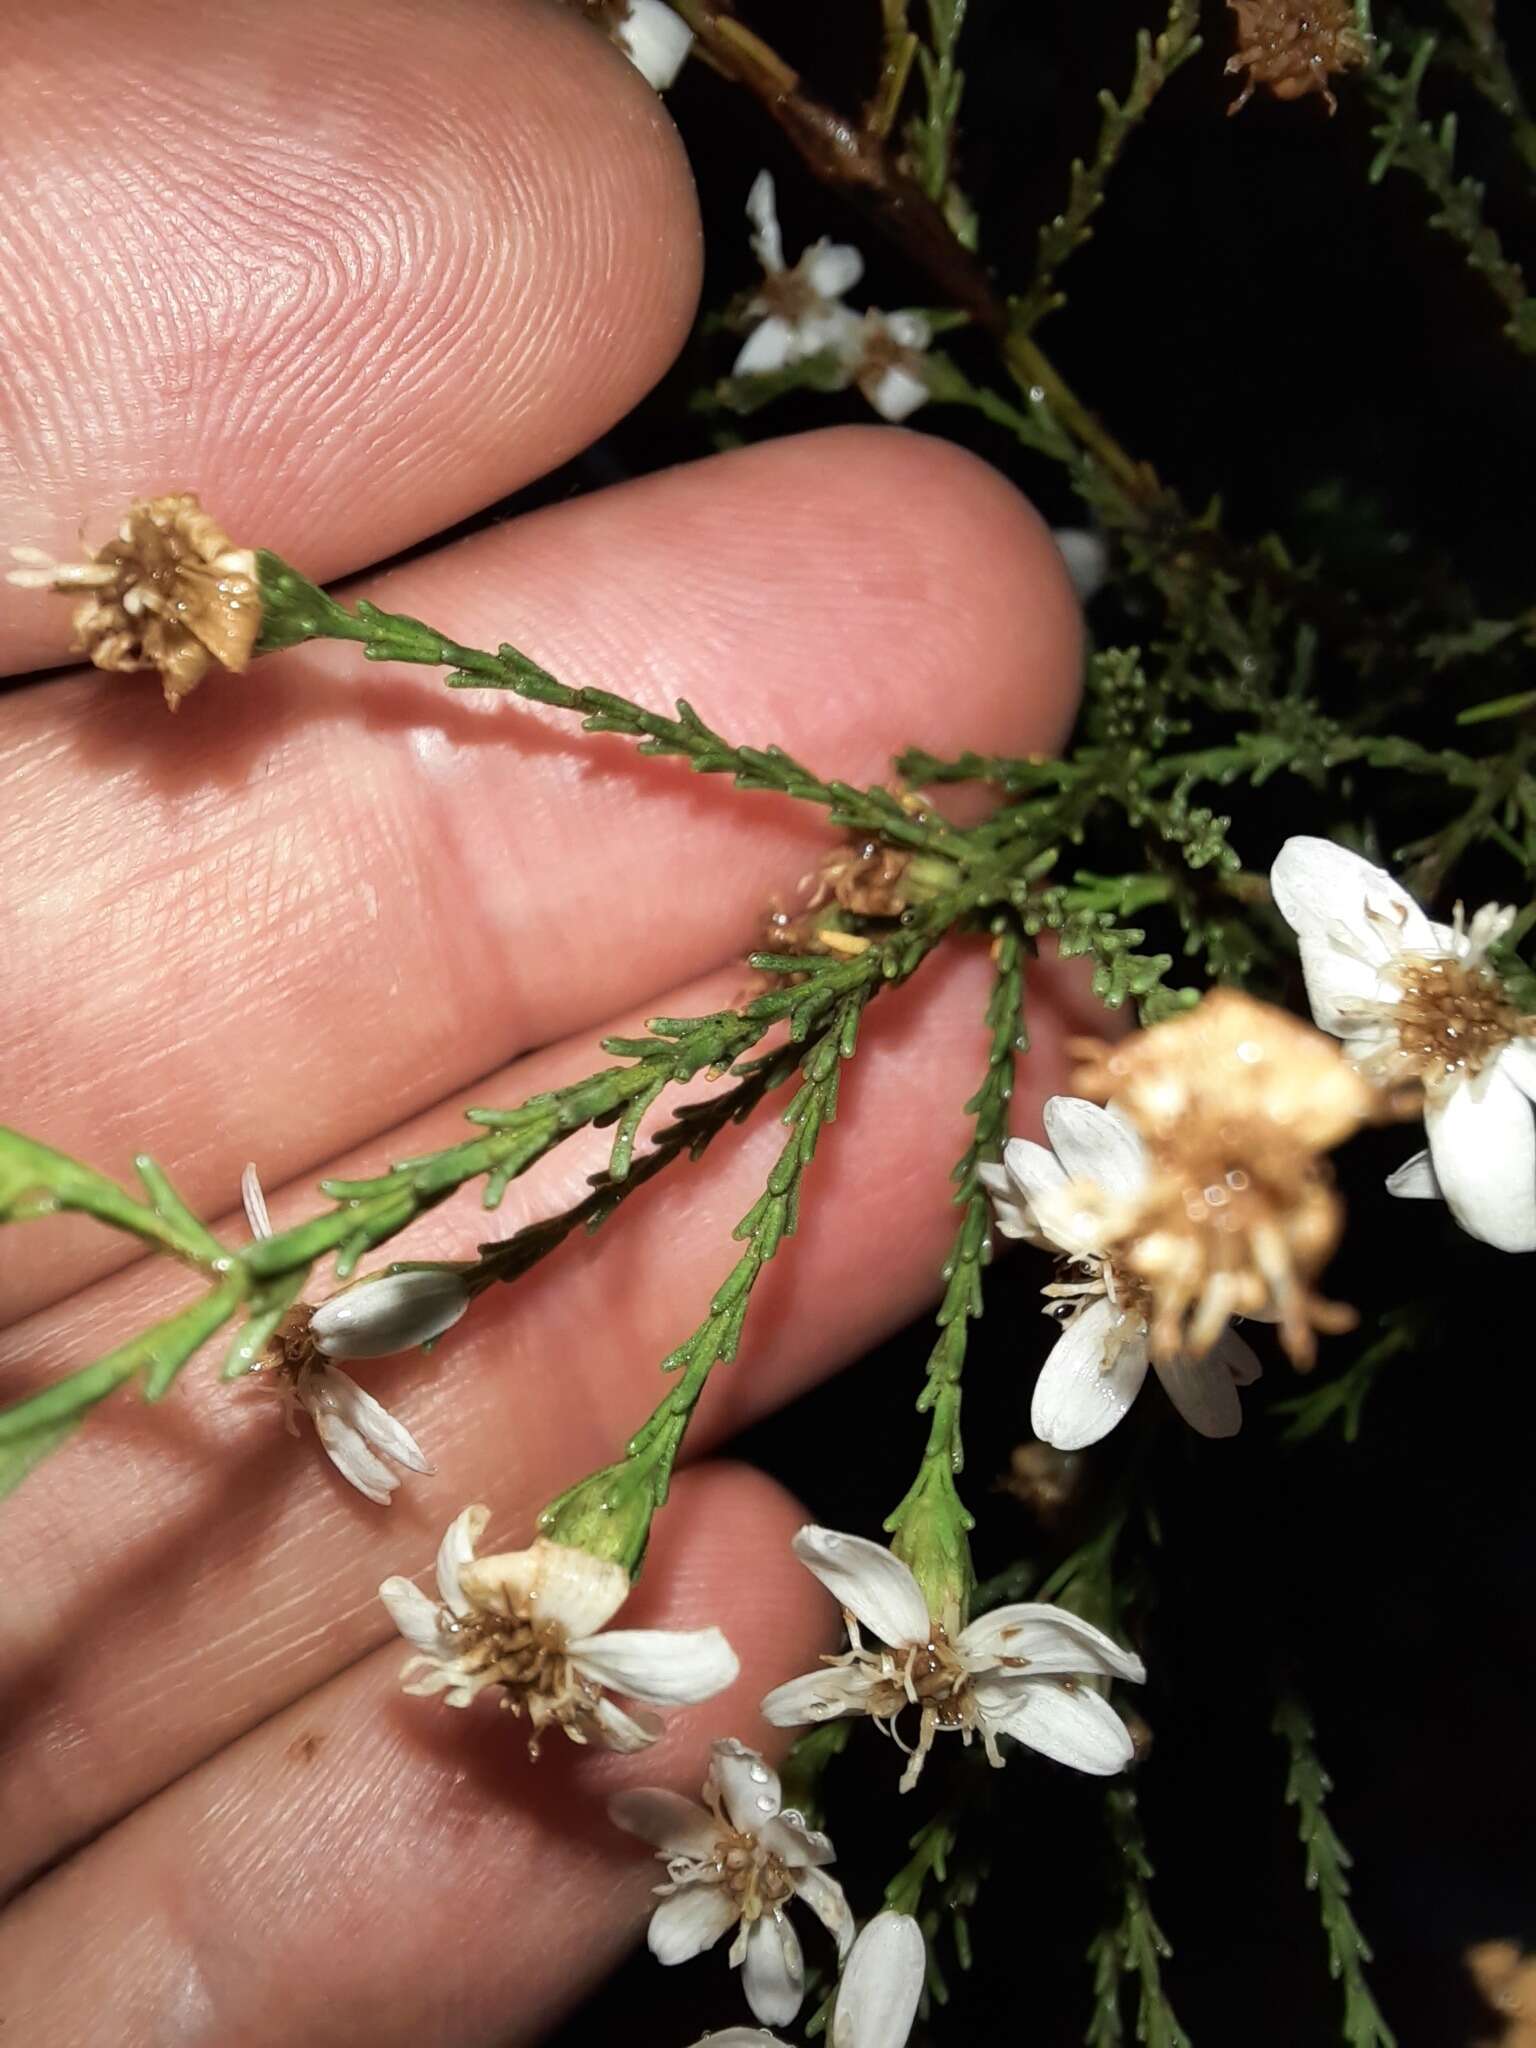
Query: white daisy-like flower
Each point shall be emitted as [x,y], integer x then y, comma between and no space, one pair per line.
[877,1993]
[886,353]
[1416,1002]
[1060,1198]
[361,1438]
[737,1861]
[799,312]
[654,39]
[1025,1670]
[535,1623]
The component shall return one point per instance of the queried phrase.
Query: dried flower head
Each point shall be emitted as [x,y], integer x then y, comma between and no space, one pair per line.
[866,876]
[1293,47]
[1235,1102]
[172,592]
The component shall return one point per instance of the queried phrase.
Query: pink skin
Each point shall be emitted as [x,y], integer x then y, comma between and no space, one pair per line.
[306,918]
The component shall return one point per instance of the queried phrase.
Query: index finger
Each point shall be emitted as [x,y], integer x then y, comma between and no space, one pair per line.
[353,271]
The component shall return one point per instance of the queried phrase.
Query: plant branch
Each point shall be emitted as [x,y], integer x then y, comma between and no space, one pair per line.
[1307,1786]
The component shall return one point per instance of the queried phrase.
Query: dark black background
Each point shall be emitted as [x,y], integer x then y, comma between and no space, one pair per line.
[1259,323]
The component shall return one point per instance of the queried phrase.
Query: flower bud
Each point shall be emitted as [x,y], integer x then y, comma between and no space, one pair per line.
[389,1312]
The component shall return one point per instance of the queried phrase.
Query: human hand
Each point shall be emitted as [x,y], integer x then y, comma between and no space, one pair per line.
[351,274]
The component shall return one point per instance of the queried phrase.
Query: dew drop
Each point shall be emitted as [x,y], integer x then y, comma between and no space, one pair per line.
[764,1803]
[758,1775]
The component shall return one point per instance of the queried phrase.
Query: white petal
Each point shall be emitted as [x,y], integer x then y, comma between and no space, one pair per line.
[456,1550]
[1326,894]
[255,1204]
[769,347]
[1239,1357]
[824,1895]
[1010,1219]
[1033,1169]
[773,1975]
[689,1922]
[626,1733]
[1204,1392]
[1048,1640]
[352,1458]
[818,1696]
[1086,558]
[864,1577]
[655,40]
[831,268]
[1077,1400]
[416,1617]
[796,1846]
[669,1822]
[1096,1144]
[763,212]
[739,2037]
[881,1985]
[664,1667]
[550,1582]
[329,1391]
[748,1788]
[1518,1062]
[909,330]
[1415,1180]
[895,393]
[1482,1142]
[1073,1727]
[392,1312]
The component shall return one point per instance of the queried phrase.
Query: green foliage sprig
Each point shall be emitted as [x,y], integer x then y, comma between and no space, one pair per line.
[1307,1786]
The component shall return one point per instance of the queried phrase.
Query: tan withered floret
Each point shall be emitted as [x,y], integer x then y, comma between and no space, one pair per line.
[1236,1102]
[171,592]
[1293,47]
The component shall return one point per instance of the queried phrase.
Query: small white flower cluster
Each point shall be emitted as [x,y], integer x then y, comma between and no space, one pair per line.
[534,1625]
[1419,1008]
[798,313]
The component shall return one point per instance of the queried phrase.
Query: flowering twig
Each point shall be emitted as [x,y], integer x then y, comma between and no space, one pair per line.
[615,1505]
[1156,63]
[930,1527]
[1307,1786]
[1133,1945]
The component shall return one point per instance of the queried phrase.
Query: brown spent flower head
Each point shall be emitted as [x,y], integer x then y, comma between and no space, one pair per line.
[1507,1981]
[1236,1102]
[172,592]
[1293,47]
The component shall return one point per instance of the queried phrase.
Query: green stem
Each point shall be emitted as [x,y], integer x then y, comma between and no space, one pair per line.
[294,610]
[1307,1786]
[930,1527]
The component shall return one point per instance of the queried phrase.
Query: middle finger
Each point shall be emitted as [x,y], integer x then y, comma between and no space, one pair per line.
[326,896]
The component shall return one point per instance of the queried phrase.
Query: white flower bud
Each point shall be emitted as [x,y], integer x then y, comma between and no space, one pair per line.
[389,1312]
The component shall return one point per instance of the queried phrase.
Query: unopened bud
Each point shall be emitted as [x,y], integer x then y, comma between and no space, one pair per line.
[390,1312]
